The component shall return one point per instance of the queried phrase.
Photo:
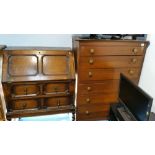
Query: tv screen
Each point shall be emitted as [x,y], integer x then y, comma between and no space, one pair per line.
[137,101]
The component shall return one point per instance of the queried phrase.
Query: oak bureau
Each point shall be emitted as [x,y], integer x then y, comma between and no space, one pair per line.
[38,81]
[98,65]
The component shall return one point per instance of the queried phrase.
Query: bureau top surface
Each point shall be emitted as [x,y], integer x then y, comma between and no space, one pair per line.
[37,48]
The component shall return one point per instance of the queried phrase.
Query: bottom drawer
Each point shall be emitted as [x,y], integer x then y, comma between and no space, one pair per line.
[92,116]
[93,112]
[24,104]
[57,101]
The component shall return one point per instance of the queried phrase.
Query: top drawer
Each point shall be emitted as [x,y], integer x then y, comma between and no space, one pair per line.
[111,50]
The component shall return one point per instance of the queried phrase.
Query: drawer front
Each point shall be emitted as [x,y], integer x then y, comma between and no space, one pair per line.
[24,104]
[94,99]
[107,86]
[25,90]
[85,109]
[108,74]
[93,112]
[111,62]
[56,88]
[110,50]
[93,116]
[57,101]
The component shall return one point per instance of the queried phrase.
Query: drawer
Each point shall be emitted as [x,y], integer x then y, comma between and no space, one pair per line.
[93,116]
[110,50]
[108,74]
[56,88]
[85,109]
[93,99]
[24,104]
[57,101]
[107,86]
[111,62]
[25,90]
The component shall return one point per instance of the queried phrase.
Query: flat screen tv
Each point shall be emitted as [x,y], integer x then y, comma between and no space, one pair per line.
[137,101]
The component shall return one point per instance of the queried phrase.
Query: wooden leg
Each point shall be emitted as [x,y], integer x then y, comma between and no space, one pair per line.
[73,116]
[9,119]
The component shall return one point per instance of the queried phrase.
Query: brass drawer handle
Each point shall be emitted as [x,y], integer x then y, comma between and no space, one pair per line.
[134,60]
[56,89]
[58,103]
[88,88]
[25,90]
[87,112]
[91,61]
[92,51]
[135,50]
[90,74]
[24,105]
[88,100]
[131,72]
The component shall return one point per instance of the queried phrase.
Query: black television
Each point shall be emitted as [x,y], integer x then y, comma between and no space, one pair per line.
[137,101]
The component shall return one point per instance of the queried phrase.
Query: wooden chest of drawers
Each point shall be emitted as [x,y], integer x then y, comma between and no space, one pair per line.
[38,81]
[99,64]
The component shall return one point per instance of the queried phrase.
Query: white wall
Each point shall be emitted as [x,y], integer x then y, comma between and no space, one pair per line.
[63,40]
[147,80]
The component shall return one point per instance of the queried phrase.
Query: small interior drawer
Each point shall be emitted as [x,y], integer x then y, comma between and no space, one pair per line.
[56,88]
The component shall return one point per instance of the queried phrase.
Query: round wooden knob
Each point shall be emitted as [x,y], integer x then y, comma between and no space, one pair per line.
[135,50]
[90,74]
[92,51]
[131,72]
[91,61]
[88,88]
[87,112]
[134,60]
[88,100]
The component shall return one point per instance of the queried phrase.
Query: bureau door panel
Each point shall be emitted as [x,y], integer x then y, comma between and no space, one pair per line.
[22,65]
[110,62]
[24,104]
[55,65]
[57,101]
[107,86]
[110,50]
[56,88]
[108,74]
[93,99]
[25,90]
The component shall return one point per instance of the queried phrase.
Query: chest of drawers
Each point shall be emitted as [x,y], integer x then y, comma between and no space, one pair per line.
[99,64]
[38,81]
